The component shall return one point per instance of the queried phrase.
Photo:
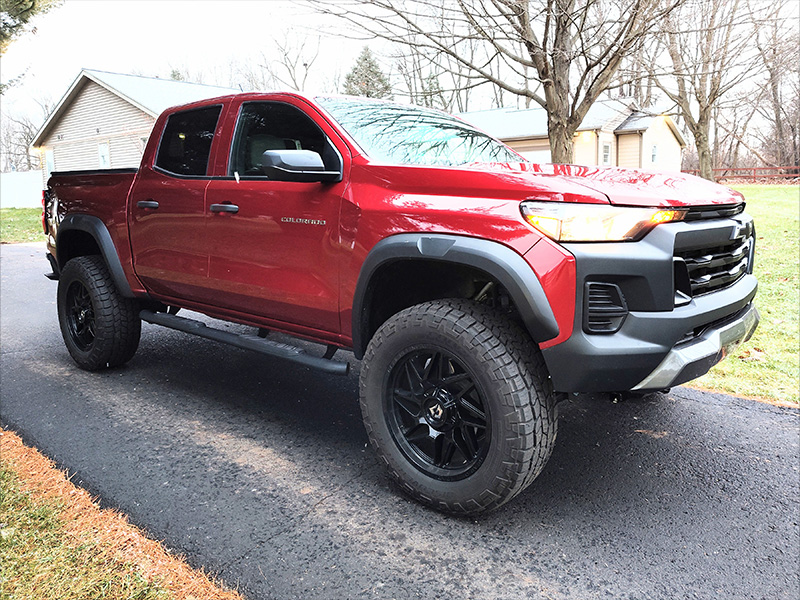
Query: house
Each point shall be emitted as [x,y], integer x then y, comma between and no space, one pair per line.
[104,119]
[613,133]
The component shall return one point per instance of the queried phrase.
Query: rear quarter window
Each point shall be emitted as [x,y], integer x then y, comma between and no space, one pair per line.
[186,142]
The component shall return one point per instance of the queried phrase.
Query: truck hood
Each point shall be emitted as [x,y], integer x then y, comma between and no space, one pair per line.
[568,183]
[630,187]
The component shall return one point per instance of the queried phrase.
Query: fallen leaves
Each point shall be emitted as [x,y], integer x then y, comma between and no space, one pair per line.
[752,354]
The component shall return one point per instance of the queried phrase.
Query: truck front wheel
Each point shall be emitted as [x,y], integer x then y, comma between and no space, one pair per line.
[100,327]
[458,404]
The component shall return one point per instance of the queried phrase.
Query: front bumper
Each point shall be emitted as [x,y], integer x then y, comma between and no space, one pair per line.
[693,359]
[665,337]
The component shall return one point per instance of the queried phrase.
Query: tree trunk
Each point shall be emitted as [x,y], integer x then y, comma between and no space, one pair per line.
[561,145]
[704,155]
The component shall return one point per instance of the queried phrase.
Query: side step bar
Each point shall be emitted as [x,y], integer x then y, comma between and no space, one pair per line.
[248,342]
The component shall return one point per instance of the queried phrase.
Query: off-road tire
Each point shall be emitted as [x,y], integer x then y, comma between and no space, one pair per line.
[510,384]
[100,327]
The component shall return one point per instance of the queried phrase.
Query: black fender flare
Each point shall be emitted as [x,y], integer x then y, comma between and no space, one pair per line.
[98,230]
[501,262]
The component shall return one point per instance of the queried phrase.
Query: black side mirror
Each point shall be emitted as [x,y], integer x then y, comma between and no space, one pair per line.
[297,165]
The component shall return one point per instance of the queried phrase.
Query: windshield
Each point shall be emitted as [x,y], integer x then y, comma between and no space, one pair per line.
[411,135]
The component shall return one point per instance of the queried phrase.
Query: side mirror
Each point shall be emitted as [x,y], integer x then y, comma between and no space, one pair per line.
[297,165]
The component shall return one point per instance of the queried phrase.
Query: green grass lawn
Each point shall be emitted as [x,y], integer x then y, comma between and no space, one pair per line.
[21,225]
[41,560]
[767,366]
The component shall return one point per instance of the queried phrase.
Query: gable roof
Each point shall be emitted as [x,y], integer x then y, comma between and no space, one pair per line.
[149,94]
[510,124]
[524,123]
[639,121]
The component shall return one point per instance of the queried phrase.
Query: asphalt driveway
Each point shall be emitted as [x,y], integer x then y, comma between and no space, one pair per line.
[258,471]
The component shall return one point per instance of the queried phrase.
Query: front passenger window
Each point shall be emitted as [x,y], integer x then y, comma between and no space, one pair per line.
[273,126]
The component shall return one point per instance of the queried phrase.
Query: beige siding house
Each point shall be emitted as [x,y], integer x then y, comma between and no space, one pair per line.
[104,119]
[613,133]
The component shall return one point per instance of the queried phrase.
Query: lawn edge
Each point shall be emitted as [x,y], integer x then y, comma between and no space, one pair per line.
[120,540]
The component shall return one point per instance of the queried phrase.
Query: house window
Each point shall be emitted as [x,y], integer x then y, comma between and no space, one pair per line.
[104,155]
[654,154]
[606,154]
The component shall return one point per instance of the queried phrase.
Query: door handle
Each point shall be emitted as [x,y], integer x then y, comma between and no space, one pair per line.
[224,208]
[147,204]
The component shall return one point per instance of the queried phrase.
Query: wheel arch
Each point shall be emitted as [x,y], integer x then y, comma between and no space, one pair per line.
[84,235]
[447,256]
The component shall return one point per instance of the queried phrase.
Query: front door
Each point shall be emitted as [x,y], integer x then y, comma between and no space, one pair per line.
[274,245]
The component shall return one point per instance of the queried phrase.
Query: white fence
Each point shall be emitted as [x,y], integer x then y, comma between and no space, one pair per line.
[21,189]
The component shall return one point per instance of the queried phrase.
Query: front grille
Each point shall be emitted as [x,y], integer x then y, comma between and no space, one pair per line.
[720,265]
[703,213]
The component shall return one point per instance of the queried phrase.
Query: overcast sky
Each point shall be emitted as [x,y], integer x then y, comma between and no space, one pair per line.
[151,37]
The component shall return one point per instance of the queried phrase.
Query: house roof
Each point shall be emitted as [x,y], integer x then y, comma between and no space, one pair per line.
[149,94]
[639,121]
[516,123]
[519,124]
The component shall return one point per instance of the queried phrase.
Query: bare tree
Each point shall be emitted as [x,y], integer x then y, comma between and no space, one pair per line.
[710,53]
[16,14]
[295,61]
[778,44]
[427,84]
[253,74]
[732,140]
[18,133]
[286,64]
[560,54]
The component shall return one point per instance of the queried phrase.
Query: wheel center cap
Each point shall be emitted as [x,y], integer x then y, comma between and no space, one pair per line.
[435,412]
[438,409]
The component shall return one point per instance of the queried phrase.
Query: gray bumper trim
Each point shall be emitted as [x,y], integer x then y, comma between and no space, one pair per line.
[711,347]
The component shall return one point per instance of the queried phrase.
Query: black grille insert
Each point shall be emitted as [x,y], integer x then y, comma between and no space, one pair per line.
[703,213]
[721,265]
[604,308]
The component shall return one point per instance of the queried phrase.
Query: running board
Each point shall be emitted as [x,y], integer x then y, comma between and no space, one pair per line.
[248,342]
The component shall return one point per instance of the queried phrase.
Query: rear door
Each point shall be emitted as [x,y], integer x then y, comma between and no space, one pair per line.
[274,245]
[167,207]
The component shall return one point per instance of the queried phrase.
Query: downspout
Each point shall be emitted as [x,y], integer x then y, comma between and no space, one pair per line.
[597,146]
[641,147]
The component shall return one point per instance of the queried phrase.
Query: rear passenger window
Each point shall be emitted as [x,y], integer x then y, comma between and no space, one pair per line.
[186,143]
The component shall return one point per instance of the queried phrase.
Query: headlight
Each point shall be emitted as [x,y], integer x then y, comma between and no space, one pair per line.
[566,222]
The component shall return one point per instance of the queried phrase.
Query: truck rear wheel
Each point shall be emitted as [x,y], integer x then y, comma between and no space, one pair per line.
[100,327]
[457,402]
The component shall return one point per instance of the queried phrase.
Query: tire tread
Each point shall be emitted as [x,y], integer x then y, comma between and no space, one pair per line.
[517,367]
[117,323]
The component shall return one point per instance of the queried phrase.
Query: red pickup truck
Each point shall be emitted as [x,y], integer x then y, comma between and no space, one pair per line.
[478,289]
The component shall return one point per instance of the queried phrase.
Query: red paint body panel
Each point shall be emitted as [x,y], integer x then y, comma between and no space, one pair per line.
[555,268]
[631,187]
[168,243]
[103,195]
[291,256]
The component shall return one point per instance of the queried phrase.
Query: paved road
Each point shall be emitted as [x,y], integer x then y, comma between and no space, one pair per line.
[258,471]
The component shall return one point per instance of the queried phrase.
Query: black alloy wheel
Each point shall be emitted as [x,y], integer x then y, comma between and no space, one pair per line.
[100,327]
[80,316]
[457,402]
[437,414]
